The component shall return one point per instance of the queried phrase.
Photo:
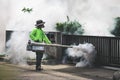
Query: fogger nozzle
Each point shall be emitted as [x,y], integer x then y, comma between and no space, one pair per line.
[52,45]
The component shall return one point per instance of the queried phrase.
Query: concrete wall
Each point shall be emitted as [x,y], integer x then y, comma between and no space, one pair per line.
[4,15]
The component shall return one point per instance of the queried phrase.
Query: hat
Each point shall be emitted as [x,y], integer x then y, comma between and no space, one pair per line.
[39,22]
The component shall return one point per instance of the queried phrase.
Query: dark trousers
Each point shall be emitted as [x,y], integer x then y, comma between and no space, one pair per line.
[39,56]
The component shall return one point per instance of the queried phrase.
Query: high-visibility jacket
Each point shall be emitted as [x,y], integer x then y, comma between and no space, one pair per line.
[38,35]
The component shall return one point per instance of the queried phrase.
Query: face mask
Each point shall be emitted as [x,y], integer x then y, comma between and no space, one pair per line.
[41,26]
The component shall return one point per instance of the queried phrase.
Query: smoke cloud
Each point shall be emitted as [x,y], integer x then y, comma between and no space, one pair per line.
[16,52]
[86,52]
[49,11]
[97,16]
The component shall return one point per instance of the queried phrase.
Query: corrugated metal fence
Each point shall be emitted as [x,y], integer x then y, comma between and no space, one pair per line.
[108,48]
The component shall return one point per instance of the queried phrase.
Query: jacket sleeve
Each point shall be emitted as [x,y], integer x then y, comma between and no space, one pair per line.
[45,39]
[32,35]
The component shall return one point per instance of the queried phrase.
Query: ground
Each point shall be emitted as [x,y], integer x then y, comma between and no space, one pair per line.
[52,72]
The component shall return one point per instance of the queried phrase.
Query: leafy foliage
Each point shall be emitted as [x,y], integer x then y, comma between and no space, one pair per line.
[116,30]
[27,10]
[70,27]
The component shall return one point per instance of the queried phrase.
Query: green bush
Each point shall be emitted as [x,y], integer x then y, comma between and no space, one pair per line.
[70,27]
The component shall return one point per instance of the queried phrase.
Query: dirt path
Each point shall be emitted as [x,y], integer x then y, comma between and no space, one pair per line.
[52,72]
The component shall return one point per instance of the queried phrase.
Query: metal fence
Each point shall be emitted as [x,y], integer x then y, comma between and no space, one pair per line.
[108,48]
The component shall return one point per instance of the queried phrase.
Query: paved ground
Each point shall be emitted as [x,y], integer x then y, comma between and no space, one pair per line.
[52,72]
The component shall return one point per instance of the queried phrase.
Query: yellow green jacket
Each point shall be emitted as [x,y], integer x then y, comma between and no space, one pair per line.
[38,35]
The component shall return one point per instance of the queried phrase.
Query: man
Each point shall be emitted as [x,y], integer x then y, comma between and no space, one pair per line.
[38,35]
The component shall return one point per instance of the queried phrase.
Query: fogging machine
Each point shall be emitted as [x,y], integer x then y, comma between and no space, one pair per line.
[35,46]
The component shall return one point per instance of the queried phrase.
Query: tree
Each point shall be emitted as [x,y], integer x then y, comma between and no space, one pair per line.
[116,30]
[27,9]
[70,27]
